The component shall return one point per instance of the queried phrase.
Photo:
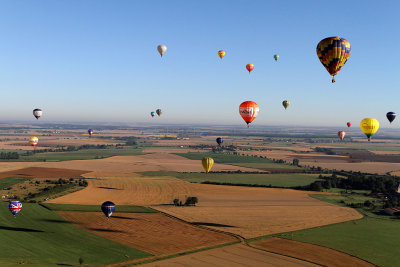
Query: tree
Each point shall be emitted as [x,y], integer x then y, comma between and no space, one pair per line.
[296,162]
[80,261]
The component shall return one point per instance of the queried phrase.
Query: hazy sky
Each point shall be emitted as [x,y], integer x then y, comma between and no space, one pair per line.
[97,61]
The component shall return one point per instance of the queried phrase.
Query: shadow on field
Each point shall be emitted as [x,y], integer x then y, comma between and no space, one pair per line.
[55,221]
[20,229]
[125,218]
[106,230]
[105,187]
[212,224]
[64,264]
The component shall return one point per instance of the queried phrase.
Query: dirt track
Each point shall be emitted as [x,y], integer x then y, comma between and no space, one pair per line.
[151,232]
[321,255]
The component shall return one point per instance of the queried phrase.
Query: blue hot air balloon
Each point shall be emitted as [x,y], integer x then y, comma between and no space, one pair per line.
[108,208]
[219,141]
[391,116]
[90,132]
[14,207]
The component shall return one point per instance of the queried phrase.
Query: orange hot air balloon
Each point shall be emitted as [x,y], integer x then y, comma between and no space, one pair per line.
[250,67]
[249,111]
[221,53]
[341,134]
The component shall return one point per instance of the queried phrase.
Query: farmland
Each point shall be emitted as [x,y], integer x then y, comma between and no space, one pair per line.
[255,179]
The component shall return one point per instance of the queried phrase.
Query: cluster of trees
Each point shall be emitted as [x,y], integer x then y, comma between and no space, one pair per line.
[190,201]
[9,155]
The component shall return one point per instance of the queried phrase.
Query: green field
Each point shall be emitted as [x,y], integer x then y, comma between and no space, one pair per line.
[10,181]
[40,237]
[237,160]
[96,208]
[80,154]
[262,179]
[373,239]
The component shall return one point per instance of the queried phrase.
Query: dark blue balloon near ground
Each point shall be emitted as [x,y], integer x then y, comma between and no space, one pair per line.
[108,208]
[14,207]
[391,116]
[219,141]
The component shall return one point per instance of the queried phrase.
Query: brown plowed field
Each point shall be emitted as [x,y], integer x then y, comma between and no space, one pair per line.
[151,232]
[39,172]
[321,255]
[233,256]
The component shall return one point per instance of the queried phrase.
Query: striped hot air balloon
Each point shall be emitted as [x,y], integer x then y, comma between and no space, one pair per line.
[333,52]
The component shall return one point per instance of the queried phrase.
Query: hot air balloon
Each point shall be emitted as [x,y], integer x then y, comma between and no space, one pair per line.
[219,141]
[33,141]
[369,126]
[348,124]
[37,112]
[108,208]
[276,57]
[152,114]
[161,49]
[14,207]
[159,112]
[286,104]
[90,132]
[221,53]
[341,134]
[249,67]
[391,116]
[249,111]
[207,164]
[333,52]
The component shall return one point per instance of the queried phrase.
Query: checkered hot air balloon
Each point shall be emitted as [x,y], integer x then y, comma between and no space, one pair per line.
[14,207]
[333,52]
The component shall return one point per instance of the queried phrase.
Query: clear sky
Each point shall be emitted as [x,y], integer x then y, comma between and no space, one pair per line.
[96,60]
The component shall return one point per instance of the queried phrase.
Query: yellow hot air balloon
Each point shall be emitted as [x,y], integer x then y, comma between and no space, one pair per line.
[221,53]
[369,126]
[207,164]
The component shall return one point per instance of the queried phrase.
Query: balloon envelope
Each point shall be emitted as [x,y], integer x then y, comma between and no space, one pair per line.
[108,208]
[249,111]
[333,52]
[37,112]
[207,163]
[221,53]
[369,126]
[341,134]
[152,113]
[33,140]
[14,207]
[276,57]
[348,124]
[286,104]
[90,132]
[159,112]
[249,67]
[219,140]
[161,49]
[391,116]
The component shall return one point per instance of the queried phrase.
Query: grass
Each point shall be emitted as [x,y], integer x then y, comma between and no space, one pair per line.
[261,179]
[96,208]
[41,237]
[83,154]
[237,160]
[10,181]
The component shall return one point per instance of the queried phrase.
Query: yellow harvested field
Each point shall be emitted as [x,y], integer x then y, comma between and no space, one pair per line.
[233,256]
[252,212]
[321,255]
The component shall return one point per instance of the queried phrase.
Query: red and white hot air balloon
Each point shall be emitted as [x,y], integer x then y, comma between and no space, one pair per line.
[341,134]
[33,141]
[249,111]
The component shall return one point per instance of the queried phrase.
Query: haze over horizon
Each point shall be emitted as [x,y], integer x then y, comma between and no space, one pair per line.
[97,61]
